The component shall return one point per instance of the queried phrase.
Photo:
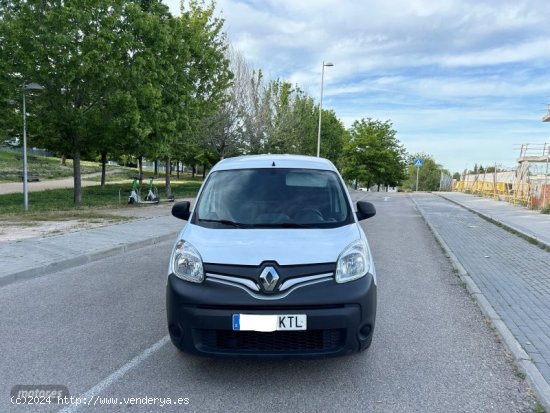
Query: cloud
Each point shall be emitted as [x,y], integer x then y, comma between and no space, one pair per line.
[468,71]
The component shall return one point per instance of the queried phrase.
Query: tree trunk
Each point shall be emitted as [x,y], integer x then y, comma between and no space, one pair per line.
[168,186]
[156,168]
[193,171]
[140,162]
[103,167]
[203,171]
[178,169]
[77,177]
[63,160]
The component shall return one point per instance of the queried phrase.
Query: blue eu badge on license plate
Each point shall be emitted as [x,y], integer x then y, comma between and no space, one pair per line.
[269,322]
[236,322]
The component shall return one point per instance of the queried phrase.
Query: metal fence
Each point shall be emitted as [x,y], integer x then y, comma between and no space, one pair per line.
[519,187]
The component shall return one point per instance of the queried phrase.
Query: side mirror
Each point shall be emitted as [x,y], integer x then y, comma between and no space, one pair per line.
[365,210]
[181,210]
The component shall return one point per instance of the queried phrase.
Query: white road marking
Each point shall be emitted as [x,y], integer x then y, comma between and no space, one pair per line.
[117,375]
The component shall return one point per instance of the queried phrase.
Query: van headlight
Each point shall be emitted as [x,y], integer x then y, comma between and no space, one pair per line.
[353,262]
[186,262]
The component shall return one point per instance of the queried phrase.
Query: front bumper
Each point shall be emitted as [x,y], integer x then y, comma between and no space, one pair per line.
[340,319]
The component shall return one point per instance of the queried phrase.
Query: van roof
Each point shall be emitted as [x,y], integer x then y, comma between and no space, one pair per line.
[274,161]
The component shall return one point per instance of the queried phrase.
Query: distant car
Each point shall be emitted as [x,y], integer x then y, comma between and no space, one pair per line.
[12,142]
[272,263]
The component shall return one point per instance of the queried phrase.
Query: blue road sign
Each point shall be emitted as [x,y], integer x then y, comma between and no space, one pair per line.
[418,163]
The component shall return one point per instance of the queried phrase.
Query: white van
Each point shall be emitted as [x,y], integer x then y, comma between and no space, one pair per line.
[272,263]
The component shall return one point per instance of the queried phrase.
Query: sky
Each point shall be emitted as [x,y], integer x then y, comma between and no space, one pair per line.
[464,81]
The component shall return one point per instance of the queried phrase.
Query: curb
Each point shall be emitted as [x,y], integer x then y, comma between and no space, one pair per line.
[82,259]
[510,228]
[521,358]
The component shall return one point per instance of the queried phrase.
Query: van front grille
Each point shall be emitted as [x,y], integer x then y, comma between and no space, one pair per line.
[271,342]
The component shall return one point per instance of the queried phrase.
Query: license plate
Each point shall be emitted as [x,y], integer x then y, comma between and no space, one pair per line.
[271,322]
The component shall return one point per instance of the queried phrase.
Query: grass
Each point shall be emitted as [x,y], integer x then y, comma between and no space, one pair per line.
[539,408]
[123,175]
[45,167]
[55,203]
[519,374]
[545,210]
[492,327]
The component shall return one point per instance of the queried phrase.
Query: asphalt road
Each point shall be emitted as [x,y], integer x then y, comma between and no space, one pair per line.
[100,330]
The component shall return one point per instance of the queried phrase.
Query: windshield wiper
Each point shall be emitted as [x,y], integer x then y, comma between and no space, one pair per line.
[266,225]
[283,225]
[226,222]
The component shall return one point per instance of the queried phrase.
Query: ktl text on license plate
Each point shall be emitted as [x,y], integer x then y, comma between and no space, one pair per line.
[271,322]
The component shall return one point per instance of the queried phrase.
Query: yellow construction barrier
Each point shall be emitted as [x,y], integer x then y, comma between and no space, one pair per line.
[517,193]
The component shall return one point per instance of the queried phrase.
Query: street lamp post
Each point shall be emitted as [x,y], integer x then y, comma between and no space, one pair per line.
[29,86]
[321,107]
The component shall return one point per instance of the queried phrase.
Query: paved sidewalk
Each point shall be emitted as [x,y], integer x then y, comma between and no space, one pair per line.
[35,257]
[508,276]
[529,223]
[17,187]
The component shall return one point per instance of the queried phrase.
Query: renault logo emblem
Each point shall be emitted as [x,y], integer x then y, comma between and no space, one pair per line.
[269,278]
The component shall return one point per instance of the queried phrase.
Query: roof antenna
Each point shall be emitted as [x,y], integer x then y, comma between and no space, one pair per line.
[273,164]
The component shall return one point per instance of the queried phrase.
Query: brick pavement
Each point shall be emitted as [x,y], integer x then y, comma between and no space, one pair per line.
[512,274]
[530,223]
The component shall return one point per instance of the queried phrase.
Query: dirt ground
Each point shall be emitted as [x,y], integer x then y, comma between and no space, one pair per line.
[15,231]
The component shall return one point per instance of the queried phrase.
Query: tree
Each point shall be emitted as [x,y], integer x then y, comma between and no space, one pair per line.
[256,114]
[10,115]
[259,116]
[224,130]
[373,155]
[333,136]
[284,119]
[149,25]
[429,174]
[121,76]
[76,52]
[200,82]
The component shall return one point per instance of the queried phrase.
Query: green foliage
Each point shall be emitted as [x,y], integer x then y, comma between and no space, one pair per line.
[94,197]
[333,136]
[119,76]
[205,77]
[45,167]
[429,174]
[373,155]
[126,79]
[268,117]
[289,120]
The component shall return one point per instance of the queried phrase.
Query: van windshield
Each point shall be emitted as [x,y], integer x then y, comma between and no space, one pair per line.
[273,198]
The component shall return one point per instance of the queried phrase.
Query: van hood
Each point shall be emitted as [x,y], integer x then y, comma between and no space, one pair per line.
[285,246]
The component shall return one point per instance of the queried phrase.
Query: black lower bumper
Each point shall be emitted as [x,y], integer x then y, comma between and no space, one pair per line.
[340,319]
